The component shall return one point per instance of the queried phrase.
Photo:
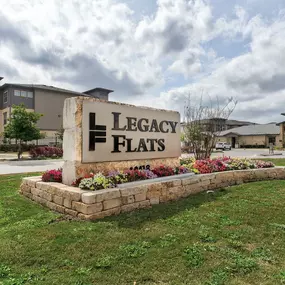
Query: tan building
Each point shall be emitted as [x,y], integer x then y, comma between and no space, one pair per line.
[47,100]
[253,136]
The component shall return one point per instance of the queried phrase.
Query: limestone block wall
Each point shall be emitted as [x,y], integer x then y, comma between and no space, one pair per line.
[92,205]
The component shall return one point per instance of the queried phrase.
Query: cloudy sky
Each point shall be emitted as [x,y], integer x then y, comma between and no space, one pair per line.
[154,53]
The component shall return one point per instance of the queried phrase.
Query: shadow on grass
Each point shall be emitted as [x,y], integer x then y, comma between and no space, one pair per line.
[137,218]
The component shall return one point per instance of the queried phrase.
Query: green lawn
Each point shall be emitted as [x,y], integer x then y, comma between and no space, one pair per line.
[235,236]
[276,161]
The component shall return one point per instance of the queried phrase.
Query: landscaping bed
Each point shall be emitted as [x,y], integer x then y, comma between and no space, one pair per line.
[233,236]
[97,181]
[92,205]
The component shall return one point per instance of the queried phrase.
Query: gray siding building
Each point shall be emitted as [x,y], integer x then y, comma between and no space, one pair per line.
[47,100]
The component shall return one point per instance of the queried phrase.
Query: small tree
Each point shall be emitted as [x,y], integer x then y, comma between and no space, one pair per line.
[22,127]
[203,124]
[59,133]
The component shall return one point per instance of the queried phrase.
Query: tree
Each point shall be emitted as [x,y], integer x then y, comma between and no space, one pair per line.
[59,133]
[22,127]
[203,124]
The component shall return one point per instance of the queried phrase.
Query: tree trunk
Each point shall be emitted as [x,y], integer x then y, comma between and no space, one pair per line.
[20,151]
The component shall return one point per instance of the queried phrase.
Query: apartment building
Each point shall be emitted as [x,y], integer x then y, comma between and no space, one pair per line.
[47,100]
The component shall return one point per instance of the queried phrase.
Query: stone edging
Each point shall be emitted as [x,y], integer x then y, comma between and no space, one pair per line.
[92,205]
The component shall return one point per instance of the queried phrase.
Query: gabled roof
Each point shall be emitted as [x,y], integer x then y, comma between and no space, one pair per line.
[98,89]
[227,122]
[236,122]
[43,87]
[253,130]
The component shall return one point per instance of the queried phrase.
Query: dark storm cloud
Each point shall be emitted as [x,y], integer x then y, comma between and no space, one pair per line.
[7,70]
[276,83]
[85,71]
[264,85]
[18,40]
[175,37]
[43,57]
[10,33]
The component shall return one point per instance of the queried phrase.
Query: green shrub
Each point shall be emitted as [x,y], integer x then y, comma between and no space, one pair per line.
[14,147]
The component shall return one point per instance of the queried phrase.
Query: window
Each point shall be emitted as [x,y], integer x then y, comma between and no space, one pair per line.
[23,93]
[272,140]
[17,93]
[5,118]
[30,95]
[5,96]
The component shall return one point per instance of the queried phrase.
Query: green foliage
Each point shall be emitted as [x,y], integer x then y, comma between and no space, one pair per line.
[281,277]
[205,235]
[83,270]
[135,250]
[194,256]
[243,265]
[4,271]
[219,277]
[60,133]
[22,125]
[167,240]
[104,262]
[15,148]
[263,254]
[117,250]
[97,182]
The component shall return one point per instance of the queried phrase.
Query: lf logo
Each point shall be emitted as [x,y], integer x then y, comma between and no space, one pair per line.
[97,133]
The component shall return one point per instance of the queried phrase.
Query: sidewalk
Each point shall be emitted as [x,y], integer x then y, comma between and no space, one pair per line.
[11,155]
[25,166]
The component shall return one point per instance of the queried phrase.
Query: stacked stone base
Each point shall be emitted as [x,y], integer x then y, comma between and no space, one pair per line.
[92,205]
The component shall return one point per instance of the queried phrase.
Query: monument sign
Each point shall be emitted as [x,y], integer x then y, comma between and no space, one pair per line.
[114,132]
[102,136]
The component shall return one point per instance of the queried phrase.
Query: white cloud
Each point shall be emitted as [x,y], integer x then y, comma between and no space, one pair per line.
[82,44]
[77,43]
[176,25]
[256,79]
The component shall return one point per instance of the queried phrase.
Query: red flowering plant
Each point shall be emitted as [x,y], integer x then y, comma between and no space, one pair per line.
[52,176]
[204,166]
[219,165]
[163,170]
[135,175]
[46,152]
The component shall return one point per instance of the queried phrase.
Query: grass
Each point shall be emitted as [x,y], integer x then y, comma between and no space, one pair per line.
[233,236]
[276,161]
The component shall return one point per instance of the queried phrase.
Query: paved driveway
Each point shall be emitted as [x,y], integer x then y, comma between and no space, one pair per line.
[7,167]
[251,153]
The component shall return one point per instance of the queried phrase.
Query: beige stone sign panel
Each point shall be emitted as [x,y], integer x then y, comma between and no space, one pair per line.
[115,132]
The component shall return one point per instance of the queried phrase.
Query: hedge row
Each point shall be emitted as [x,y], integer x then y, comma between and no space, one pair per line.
[14,147]
[46,152]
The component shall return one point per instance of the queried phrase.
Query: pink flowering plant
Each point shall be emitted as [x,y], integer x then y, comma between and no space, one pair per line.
[97,181]
[46,152]
[52,176]
[163,170]
[224,164]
